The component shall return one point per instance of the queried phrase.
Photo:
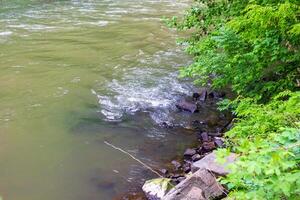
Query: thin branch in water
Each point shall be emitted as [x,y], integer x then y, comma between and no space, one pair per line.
[134,158]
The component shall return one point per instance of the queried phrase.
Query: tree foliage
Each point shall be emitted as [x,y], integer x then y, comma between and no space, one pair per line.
[252,46]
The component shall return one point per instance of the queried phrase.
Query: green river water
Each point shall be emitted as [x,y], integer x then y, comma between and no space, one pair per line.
[76,73]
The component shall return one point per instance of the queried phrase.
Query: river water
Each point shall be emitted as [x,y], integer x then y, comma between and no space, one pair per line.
[77,73]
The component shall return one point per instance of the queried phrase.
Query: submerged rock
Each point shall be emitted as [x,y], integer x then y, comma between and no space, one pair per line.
[156,189]
[187,106]
[189,152]
[176,164]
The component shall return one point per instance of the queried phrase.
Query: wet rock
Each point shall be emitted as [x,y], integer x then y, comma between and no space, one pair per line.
[198,125]
[219,142]
[166,125]
[180,179]
[164,171]
[187,168]
[196,96]
[189,152]
[196,157]
[170,175]
[156,189]
[219,130]
[131,196]
[176,164]
[203,96]
[204,137]
[208,146]
[228,126]
[175,176]
[216,95]
[187,106]
[202,185]
[221,94]
[210,163]
[216,134]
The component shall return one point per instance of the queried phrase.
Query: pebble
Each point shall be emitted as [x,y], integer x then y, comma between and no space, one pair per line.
[196,157]
[164,171]
[176,164]
[208,146]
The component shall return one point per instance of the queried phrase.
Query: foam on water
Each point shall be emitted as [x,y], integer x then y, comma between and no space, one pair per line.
[144,89]
[6,33]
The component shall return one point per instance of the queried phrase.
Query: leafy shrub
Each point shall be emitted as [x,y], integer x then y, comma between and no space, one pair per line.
[253,47]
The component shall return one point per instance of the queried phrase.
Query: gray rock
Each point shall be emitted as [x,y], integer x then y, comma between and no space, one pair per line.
[201,185]
[209,163]
[164,171]
[196,95]
[156,189]
[189,152]
[176,164]
[208,146]
[203,95]
[204,137]
[187,168]
[219,142]
[187,106]
[196,157]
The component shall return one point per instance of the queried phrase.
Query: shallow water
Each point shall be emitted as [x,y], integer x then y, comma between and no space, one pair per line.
[74,74]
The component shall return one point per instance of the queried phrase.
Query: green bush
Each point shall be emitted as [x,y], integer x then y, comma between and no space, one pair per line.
[252,46]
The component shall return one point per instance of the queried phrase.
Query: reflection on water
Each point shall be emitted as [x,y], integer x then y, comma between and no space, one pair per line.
[75,73]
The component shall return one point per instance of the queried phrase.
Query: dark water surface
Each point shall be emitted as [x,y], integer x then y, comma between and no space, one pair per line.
[76,73]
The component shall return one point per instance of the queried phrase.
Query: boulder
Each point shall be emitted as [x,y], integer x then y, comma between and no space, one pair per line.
[156,189]
[201,185]
[210,163]
[187,106]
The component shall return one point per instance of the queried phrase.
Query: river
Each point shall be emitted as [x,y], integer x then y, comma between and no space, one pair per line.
[74,74]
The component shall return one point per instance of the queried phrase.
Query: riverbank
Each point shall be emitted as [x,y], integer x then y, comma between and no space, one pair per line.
[253,48]
[208,136]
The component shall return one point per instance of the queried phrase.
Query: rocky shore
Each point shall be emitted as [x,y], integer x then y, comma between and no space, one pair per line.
[193,175]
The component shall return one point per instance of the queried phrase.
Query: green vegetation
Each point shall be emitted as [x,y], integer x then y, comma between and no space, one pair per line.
[252,46]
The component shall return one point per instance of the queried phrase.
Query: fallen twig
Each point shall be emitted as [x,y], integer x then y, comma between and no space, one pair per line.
[134,158]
